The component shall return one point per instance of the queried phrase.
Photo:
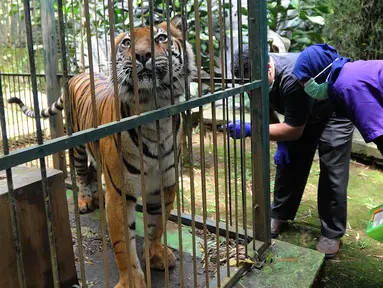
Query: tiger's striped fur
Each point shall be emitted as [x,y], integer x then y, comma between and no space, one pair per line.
[80,102]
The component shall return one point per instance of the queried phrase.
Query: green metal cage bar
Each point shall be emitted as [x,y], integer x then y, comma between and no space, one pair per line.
[79,138]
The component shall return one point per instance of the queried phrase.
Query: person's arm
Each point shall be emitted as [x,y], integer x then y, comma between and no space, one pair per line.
[285,132]
[297,110]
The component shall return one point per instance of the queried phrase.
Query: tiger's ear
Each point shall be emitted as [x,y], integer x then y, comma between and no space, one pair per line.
[118,39]
[178,22]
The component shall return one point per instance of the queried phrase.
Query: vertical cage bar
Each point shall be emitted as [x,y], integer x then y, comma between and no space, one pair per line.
[11,196]
[233,120]
[96,143]
[242,118]
[74,33]
[16,131]
[214,128]
[105,30]
[96,28]
[222,30]
[47,198]
[140,147]
[176,153]
[162,192]
[260,120]
[25,85]
[20,118]
[188,127]
[48,26]
[82,53]
[69,125]
[202,141]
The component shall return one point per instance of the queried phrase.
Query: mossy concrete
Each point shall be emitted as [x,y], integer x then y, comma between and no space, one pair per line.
[290,266]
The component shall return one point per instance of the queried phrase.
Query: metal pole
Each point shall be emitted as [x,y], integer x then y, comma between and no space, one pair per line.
[260,123]
[48,25]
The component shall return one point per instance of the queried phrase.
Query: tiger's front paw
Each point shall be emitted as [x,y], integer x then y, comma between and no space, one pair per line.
[138,280]
[85,200]
[157,257]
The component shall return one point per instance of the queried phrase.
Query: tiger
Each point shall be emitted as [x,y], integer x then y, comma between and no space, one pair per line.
[82,118]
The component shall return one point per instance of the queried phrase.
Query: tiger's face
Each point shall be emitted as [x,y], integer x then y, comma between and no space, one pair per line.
[143,51]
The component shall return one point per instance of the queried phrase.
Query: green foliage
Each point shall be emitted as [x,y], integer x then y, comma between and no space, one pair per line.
[300,21]
[356,28]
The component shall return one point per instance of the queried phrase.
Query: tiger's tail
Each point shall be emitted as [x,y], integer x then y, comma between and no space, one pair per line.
[55,108]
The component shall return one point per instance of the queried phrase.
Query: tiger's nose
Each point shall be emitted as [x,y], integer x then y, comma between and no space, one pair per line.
[143,58]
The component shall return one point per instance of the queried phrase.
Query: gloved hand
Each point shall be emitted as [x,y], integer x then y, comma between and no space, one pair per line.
[235,130]
[281,156]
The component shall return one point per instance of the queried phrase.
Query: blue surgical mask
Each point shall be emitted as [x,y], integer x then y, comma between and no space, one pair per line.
[315,90]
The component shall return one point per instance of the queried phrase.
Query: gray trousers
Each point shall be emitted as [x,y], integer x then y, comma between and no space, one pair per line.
[333,139]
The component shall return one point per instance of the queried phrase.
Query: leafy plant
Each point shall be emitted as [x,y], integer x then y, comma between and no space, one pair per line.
[357,32]
[300,21]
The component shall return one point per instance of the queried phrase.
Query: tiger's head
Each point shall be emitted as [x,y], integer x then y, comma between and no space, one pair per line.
[142,49]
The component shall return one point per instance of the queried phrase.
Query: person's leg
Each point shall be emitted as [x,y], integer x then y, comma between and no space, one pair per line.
[290,181]
[334,152]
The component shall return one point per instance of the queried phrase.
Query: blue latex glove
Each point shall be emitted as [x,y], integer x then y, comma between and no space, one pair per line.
[238,129]
[281,156]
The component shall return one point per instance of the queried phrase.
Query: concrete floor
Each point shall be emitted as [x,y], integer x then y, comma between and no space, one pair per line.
[94,267]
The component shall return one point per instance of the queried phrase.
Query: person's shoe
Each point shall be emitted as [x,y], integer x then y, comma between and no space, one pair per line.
[276,227]
[328,246]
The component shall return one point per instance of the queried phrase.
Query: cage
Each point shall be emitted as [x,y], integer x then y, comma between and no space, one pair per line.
[139,95]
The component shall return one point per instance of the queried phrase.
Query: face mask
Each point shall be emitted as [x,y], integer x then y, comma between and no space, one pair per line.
[315,90]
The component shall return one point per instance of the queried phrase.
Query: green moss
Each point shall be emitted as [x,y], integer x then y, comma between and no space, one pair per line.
[358,264]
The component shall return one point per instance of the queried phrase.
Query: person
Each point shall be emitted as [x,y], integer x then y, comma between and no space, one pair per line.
[356,88]
[307,124]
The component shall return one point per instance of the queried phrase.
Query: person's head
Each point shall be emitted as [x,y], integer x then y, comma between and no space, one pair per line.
[246,65]
[312,69]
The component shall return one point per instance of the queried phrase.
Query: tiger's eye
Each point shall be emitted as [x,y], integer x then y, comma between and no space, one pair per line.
[126,43]
[162,38]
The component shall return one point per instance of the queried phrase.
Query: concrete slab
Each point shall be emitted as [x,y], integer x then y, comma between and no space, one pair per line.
[290,266]
[94,259]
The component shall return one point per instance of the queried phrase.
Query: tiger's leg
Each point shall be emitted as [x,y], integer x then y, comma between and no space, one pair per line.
[115,217]
[92,182]
[85,198]
[156,229]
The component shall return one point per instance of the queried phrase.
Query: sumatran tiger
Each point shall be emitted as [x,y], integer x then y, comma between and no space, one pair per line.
[82,115]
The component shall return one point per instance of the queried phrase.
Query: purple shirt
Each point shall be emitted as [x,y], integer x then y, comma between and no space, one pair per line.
[359,90]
